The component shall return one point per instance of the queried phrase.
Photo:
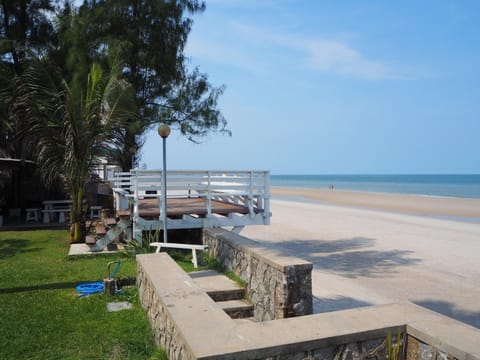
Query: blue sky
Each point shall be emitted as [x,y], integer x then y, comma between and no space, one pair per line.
[337,87]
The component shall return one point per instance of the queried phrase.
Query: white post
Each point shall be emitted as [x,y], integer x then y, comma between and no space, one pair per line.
[164,190]
[250,195]
[137,231]
[209,194]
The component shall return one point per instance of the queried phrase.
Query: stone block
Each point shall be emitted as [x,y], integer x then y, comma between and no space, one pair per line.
[278,287]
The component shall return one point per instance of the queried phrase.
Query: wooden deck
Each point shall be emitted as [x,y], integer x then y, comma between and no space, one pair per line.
[196,199]
[176,208]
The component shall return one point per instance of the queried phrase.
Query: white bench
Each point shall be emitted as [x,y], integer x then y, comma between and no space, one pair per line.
[32,214]
[192,247]
[95,212]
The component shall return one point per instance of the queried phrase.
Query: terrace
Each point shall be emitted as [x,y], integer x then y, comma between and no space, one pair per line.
[194,199]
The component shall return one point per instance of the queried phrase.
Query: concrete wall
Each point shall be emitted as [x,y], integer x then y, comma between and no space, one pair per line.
[162,324]
[190,325]
[278,287]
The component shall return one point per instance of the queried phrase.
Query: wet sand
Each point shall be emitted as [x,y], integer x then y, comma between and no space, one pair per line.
[424,205]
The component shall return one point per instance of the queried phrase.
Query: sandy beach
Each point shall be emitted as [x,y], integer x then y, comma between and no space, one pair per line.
[370,249]
[425,205]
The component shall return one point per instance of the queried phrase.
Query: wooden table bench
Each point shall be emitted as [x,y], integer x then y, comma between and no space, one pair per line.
[51,207]
[62,215]
[192,247]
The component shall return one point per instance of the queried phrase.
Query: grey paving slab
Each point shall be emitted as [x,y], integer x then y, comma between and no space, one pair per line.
[78,249]
[84,249]
[119,306]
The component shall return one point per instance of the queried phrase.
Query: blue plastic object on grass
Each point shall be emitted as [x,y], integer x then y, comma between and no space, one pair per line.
[89,288]
[98,286]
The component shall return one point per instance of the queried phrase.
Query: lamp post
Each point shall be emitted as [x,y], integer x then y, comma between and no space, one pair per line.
[164,131]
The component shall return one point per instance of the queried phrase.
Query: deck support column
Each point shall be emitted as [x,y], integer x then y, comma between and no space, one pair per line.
[137,231]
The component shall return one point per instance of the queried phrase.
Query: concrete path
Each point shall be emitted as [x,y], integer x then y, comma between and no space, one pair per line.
[365,257]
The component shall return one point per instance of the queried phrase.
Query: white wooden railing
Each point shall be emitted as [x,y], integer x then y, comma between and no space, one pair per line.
[247,188]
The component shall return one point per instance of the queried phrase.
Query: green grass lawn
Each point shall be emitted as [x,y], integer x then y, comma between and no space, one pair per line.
[41,316]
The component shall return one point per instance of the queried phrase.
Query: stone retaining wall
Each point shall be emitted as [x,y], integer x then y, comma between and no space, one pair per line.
[164,330]
[190,325]
[419,350]
[278,287]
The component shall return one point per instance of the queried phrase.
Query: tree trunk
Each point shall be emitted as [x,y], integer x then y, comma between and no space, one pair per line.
[77,229]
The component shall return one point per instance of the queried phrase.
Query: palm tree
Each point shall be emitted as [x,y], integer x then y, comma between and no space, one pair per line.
[73,125]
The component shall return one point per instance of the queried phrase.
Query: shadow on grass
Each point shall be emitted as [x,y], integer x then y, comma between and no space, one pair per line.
[11,247]
[348,257]
[452,311]
[321,305]
[55,286]
[121,282]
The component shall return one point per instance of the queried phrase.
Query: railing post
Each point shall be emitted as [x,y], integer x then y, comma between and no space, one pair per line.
[209,194]
[250,195]
[260,199]
[137,232]
[135,193]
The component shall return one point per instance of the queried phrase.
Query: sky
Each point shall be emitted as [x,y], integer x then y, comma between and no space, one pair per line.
[336,87]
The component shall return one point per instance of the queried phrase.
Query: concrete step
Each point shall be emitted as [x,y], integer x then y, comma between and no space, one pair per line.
[217,285]
[110,222]
[100,230]
[248,320]
[90,239]
[237,309]
[121,213]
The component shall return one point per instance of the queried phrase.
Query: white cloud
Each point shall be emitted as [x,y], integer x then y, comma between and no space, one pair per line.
[220,42]
[338,58]
[329,56]
[257,49]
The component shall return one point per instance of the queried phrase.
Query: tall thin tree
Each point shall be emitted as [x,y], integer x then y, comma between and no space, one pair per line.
[152,35]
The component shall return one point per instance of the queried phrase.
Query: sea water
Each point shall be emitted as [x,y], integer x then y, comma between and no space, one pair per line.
[462,186]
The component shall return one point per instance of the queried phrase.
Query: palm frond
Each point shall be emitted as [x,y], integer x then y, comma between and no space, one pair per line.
[73,125]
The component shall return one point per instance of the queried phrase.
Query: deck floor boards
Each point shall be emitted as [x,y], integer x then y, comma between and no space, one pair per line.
[187,206]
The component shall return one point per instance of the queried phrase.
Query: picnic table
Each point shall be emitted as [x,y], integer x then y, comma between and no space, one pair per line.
[52,208]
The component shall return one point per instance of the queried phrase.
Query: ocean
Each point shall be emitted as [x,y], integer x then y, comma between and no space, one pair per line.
[462,186]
